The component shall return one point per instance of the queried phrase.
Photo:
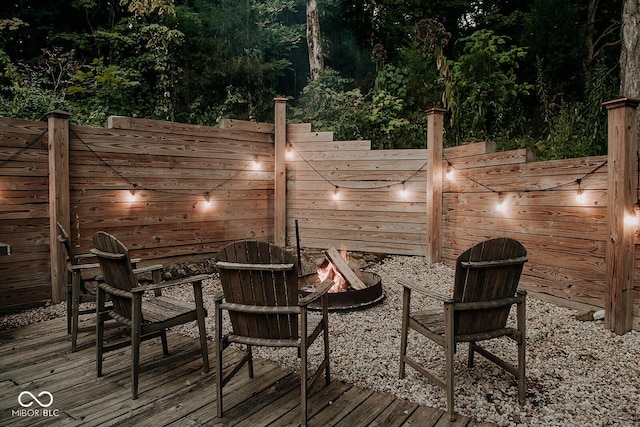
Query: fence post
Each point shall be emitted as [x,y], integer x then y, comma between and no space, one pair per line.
[280,176]
[621,197]
[435,130]
[59,210]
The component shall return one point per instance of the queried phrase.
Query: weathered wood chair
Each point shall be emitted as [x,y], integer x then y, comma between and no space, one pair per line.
[485,289]
[145,318]
[260,294]
[82,269]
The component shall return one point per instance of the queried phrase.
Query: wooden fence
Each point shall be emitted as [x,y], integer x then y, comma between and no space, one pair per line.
[197,188]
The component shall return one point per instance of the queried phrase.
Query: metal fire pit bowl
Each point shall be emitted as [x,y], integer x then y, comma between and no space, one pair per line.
[351,299]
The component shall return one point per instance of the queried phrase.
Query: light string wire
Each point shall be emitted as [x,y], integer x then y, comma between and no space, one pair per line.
[140,187]
[332,183]
[23,149]
[376,187]
[526,190]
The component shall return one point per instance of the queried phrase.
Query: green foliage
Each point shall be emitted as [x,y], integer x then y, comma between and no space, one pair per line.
[102,90]
[486,85]
[27,96]
[578,129]
[387,63]
[329,105]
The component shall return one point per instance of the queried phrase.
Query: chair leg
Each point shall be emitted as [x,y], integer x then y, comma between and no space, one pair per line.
[219,348]
[406,299]
[325,326]
[165,342]
[522,327]
[521,373]
[203,344]
[472,346]
[75,309]
[449,349]
[136,331]
[250,360]
[99,331]
[69,301]
[201,323]
[303,369]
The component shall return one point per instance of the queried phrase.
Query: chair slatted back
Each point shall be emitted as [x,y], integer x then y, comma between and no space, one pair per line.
[273,283]
[489,270]
[115,264]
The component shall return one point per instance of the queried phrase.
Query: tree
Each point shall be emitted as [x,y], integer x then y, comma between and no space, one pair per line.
[630,53]
[314,40]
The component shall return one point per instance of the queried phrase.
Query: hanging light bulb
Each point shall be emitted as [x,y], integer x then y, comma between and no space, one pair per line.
[404,192]
[255,165]
[501,206]
[289,155]
[133,194]
[207,200]
[336,195]
[580,197]
[450,174]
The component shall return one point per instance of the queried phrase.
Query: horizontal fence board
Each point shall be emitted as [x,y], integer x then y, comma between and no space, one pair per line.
[326,159]
[322,146]
[298,128]
[233,129]
[493,159]
[311,137]
[475,149]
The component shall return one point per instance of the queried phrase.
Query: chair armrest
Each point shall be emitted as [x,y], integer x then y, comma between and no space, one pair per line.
[80,267]
[147,269]
[322,289]
[83,256]
[182,281]
[114,291]
[425,291]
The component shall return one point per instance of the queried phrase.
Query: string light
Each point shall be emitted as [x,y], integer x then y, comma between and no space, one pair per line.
[255,165]
[501,206]
[133,194]
[404,192]
[207,200]
[336,194]
[289,154]
[580,196]
[450,174]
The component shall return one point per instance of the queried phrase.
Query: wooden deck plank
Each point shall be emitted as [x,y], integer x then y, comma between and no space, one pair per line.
[173,389]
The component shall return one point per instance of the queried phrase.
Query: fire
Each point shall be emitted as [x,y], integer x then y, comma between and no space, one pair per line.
[326,270]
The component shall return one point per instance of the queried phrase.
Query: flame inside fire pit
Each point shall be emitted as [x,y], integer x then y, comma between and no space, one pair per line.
[343,295]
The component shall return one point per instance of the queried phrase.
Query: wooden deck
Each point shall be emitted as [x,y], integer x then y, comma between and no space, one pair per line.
[37,358]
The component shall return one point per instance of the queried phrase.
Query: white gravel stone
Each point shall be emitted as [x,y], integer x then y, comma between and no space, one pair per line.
[578,373]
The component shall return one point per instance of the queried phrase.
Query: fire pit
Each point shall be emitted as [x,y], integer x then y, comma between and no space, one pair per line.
[352,288]
[350,299]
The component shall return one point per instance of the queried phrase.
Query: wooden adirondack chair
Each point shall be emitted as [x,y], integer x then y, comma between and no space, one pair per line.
[485,289]
[260,294]
[82,269]
[146,318]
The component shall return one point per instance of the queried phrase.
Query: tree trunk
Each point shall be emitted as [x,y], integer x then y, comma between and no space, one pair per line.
[630,52]
[314,41]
